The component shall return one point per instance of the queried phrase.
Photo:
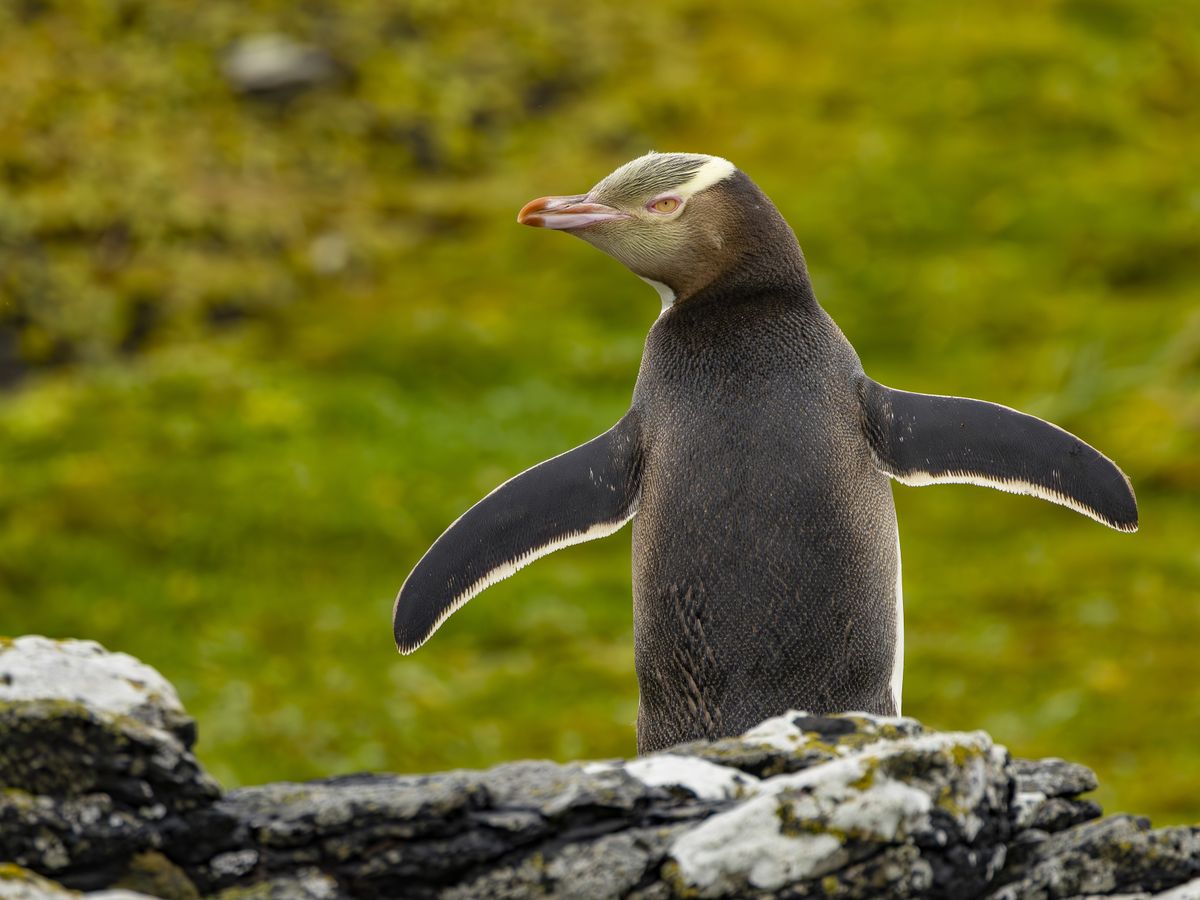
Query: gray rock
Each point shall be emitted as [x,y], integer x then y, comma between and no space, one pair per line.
[1052,777]
[1189,891]
[380,833]
[99,791]
[944,795]
[797,740]
[1119,854]
[95,760]
[304,884]
[609,866]
[17,883]
[111,685]
[1059,813]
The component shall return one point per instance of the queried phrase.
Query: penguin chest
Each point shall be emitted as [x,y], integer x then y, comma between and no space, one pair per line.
[765,569]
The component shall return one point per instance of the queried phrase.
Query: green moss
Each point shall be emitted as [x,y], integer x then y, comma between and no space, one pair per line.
[672,876]
[153,874]
[12,872]
[796,826]
[34,884]
[964,753]
[867,779]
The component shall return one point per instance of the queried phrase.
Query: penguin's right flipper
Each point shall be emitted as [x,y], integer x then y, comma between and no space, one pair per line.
[921,439]
[577,496]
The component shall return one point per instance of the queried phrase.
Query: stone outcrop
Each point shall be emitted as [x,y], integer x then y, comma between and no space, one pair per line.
[100,793]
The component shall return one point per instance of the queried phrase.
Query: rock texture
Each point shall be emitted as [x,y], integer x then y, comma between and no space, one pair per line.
[100,793]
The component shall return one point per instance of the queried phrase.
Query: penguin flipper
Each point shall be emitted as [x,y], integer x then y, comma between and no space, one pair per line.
[921,439]
[577,496]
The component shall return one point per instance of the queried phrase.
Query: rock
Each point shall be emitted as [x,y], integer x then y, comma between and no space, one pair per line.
[101,792]
[1117,855]
[946,794]
[1047,794]
[1189,891]
[95,760]
[151,873]
[17,883]
[1052,777]
[304,884]
[36,668]
[275,65]
[794,742]
[381,833]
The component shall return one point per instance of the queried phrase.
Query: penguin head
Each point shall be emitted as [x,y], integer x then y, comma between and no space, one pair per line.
[676,220]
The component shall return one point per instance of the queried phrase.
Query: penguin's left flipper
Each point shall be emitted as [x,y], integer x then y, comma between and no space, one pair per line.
[921,439]
[577,496]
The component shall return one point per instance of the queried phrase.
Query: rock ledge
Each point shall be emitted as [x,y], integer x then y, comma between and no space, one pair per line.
[100,792]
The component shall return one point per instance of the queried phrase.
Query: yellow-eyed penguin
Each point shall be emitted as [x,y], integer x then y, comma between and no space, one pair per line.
[755,456]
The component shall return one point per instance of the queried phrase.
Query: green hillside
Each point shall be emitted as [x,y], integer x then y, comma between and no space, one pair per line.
[260,350]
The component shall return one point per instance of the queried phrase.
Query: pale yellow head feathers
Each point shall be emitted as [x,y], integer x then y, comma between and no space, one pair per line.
[657,214]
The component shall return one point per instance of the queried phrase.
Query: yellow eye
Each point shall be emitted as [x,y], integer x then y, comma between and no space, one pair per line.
[665,204]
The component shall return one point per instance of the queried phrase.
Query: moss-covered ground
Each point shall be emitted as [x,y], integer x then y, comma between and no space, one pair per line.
[262,352]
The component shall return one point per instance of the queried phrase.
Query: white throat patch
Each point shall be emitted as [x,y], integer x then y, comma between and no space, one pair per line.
[716,169]
[664,292]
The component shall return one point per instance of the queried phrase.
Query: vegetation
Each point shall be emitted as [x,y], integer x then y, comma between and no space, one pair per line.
[263,349]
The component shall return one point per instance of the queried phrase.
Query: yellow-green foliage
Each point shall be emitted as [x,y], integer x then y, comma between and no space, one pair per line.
[996,199]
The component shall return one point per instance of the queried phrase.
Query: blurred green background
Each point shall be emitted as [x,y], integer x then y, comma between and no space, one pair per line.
[259,348]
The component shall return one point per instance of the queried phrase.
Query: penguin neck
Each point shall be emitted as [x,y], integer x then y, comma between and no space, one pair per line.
[771,268]
[762,259]
[771,273]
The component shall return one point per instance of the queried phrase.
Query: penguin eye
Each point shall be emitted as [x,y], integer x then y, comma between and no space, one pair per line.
[664,205]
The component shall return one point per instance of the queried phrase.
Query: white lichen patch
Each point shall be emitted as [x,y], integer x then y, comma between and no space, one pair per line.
[782,732]
[1189,891]
[779,732]
[799,825]
[883,813]
[17,883]
[706,780]
[746,846]
[1026,805]
[38,668]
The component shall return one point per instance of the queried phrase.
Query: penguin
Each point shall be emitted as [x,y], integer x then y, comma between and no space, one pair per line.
[755,462]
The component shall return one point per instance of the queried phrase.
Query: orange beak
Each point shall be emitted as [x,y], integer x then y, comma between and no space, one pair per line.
[566,213]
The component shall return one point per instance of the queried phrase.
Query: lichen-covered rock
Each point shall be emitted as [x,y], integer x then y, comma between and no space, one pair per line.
[796,741]
[1117,855]
[113,685]
[95,760]
[408,836]
[944,794]
[303,884]
[99,791]
[1189,891]
[17,883]
[1052,777]
[1047,794]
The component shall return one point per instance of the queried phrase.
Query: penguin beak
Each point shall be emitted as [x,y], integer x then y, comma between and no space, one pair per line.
[567,213]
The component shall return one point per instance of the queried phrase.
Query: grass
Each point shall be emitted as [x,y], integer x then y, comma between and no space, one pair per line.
[994,202]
